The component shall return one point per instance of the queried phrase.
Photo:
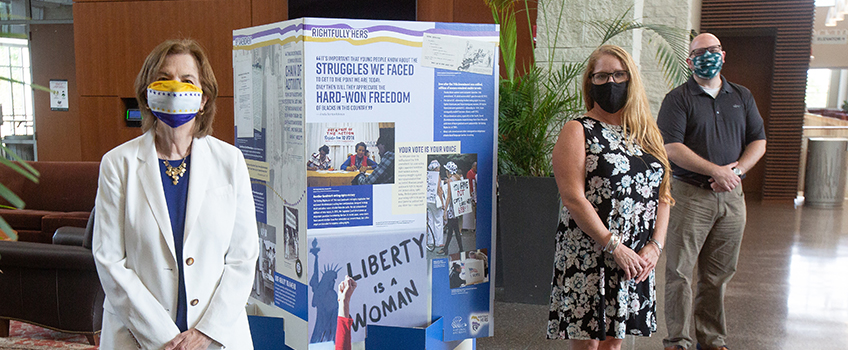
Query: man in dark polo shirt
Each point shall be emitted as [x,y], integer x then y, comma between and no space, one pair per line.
[713,134]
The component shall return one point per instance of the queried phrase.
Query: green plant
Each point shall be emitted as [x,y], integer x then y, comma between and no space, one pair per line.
[534,105]
[845,106]
[19,165]
[34,86]
[24,169]
[671,48]
[532,110]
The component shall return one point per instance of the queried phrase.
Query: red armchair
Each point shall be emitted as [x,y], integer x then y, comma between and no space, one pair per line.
[64,196]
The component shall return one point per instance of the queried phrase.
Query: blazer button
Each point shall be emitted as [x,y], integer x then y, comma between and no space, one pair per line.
[190,261]
[194,302]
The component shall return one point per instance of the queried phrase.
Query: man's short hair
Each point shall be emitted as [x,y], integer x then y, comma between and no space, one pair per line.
[387,139]
[325,149]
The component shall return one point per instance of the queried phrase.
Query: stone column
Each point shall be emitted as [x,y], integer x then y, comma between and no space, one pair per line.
[575,39]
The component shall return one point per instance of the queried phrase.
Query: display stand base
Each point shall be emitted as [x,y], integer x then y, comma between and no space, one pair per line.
[414,338]
[268,333]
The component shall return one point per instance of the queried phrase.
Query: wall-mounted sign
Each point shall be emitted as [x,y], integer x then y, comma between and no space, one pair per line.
[831,37]
[59,95]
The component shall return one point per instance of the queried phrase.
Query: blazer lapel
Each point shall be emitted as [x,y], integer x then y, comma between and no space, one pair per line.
[151,182]
[199,172]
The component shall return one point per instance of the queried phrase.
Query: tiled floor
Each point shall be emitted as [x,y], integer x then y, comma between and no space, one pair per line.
[790,290]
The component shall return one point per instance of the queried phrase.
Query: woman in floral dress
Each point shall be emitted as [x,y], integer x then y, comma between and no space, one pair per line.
[613,176]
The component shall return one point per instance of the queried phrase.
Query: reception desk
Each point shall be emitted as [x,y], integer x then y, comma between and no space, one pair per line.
[323,178]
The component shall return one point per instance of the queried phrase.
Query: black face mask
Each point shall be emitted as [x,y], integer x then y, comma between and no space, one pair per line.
[611,96]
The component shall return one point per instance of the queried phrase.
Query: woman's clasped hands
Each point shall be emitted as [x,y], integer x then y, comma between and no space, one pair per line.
[636,266]
[189,340]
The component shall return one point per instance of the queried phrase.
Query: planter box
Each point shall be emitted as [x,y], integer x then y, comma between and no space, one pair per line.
[528,212]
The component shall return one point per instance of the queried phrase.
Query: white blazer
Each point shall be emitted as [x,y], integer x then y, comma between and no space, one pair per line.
[133,246]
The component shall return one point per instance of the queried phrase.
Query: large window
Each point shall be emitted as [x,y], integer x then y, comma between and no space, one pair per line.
[17,122]
[15,97]
[818,87]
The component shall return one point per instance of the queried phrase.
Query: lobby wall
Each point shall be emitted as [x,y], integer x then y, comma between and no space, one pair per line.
[112,39]
[52,52]
[576,39]
[789,24]
[831,55]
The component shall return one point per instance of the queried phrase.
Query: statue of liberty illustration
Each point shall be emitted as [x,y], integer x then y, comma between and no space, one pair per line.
[324,299]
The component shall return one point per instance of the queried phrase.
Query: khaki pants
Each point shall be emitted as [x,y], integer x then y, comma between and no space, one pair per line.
[704,228]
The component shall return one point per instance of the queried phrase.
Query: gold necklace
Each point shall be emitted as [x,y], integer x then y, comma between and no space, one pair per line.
[175,173]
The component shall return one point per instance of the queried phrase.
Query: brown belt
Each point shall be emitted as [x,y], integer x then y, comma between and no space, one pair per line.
[694,182]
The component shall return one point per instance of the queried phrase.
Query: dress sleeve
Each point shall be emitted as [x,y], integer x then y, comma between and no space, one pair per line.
[343,325]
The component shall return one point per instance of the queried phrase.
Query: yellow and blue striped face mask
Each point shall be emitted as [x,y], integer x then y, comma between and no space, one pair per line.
[174,103]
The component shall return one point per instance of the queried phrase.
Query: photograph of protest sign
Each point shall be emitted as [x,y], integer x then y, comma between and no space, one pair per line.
[390,270]
[263,283]
[468,268]
[450,203]
[290,234]
[478,260]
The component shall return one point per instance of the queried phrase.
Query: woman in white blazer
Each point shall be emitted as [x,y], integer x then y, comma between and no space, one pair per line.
[175,238]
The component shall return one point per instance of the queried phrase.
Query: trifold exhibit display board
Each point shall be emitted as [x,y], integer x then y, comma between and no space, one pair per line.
[370,145]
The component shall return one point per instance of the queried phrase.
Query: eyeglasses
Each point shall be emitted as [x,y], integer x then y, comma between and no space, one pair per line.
[701,51]
[602,78]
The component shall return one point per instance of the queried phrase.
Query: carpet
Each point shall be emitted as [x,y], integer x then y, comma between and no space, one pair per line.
[30,337]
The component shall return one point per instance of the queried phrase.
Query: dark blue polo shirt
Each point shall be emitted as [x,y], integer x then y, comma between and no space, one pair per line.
[717,129]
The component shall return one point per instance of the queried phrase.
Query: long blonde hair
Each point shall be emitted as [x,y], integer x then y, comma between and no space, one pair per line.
[637,123]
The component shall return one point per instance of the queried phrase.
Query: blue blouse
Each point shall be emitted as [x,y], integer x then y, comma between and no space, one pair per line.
[176,196]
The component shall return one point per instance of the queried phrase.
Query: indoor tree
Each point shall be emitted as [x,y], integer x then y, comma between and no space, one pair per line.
[534,104]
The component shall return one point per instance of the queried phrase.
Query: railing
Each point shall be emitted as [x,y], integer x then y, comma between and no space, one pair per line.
[825,127]
[23,145]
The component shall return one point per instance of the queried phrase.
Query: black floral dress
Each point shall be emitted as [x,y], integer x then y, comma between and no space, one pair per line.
[590,299]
